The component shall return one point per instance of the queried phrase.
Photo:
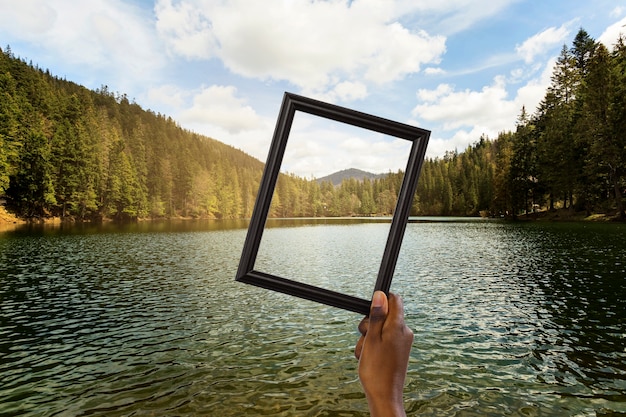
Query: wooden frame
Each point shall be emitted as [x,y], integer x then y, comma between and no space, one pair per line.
[292,103]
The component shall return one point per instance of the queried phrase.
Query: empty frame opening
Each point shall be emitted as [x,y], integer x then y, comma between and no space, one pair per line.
[310,261]
[332,205]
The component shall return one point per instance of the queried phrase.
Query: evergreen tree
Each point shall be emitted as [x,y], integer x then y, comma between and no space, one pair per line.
[582,50]
[595,129]
[503,200]
[615,148]
[31,187]
[523,175]
[558,148]
[9,141]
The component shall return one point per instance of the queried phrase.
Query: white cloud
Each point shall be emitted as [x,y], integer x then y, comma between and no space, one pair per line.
[488,107]
[167,94]
[617,12]
[468,114]
[542,42]
[349,91]
[342,91]
[313,45]
[400,52]
[610,36]
[462,138]
[185,31]
[218,106]
[32,18]
[531,94]
[434,95]
[98,36]
[434,71]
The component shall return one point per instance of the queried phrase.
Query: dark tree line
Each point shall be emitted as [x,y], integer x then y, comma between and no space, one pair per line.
[571,152]
[70,152]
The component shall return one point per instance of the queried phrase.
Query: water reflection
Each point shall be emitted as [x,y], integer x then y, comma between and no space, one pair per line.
[582,276]
[518,308]
[174,225]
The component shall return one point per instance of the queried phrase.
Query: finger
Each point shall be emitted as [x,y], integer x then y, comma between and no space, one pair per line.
[378,313]
[363,326]
[396,310]
[396,317]
[359,347]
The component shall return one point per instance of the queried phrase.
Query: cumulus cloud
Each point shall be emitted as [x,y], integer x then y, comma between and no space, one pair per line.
[186,32]
[434,71]
[313,45]
[610,36]
[433,95]
[34,18]
[99,35]
[438,146]
[342,91]
[455,109]
[538,44]
[349,91]
[401,52]
[219,106]
[468,114]
[167,94]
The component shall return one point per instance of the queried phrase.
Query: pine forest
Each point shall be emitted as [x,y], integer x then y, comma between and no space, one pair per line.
[78,154]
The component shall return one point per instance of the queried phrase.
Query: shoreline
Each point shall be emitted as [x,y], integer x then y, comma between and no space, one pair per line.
[565,215]
[9,221]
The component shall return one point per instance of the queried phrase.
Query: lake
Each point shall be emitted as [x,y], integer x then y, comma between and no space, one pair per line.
[515,319]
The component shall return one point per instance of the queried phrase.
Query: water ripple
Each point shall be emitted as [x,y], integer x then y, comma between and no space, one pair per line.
[517,320]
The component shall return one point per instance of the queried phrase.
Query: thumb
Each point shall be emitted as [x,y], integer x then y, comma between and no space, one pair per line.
[378,313]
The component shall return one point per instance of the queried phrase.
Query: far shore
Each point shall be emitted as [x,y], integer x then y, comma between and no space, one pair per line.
[9,221]
[569,216]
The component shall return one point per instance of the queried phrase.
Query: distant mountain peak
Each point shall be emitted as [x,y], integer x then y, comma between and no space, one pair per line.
[358,174]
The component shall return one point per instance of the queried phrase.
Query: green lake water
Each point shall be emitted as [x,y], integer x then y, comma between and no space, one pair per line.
[510,319]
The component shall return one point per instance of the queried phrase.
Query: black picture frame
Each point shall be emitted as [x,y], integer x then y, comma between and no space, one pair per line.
[290,104]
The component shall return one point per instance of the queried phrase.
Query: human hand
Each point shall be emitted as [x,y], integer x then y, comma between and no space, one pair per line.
[383,353]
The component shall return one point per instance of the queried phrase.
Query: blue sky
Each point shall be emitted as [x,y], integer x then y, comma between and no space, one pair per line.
[460,68]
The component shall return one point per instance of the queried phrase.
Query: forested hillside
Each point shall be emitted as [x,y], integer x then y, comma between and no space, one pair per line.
[69,152]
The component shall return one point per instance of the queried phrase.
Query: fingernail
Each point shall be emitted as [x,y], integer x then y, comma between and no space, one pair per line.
[378,299]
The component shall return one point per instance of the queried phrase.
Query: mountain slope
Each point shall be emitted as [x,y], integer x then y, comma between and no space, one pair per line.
[337,177]
[69,152]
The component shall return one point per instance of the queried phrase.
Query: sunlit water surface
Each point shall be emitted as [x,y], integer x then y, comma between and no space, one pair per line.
[509,319]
